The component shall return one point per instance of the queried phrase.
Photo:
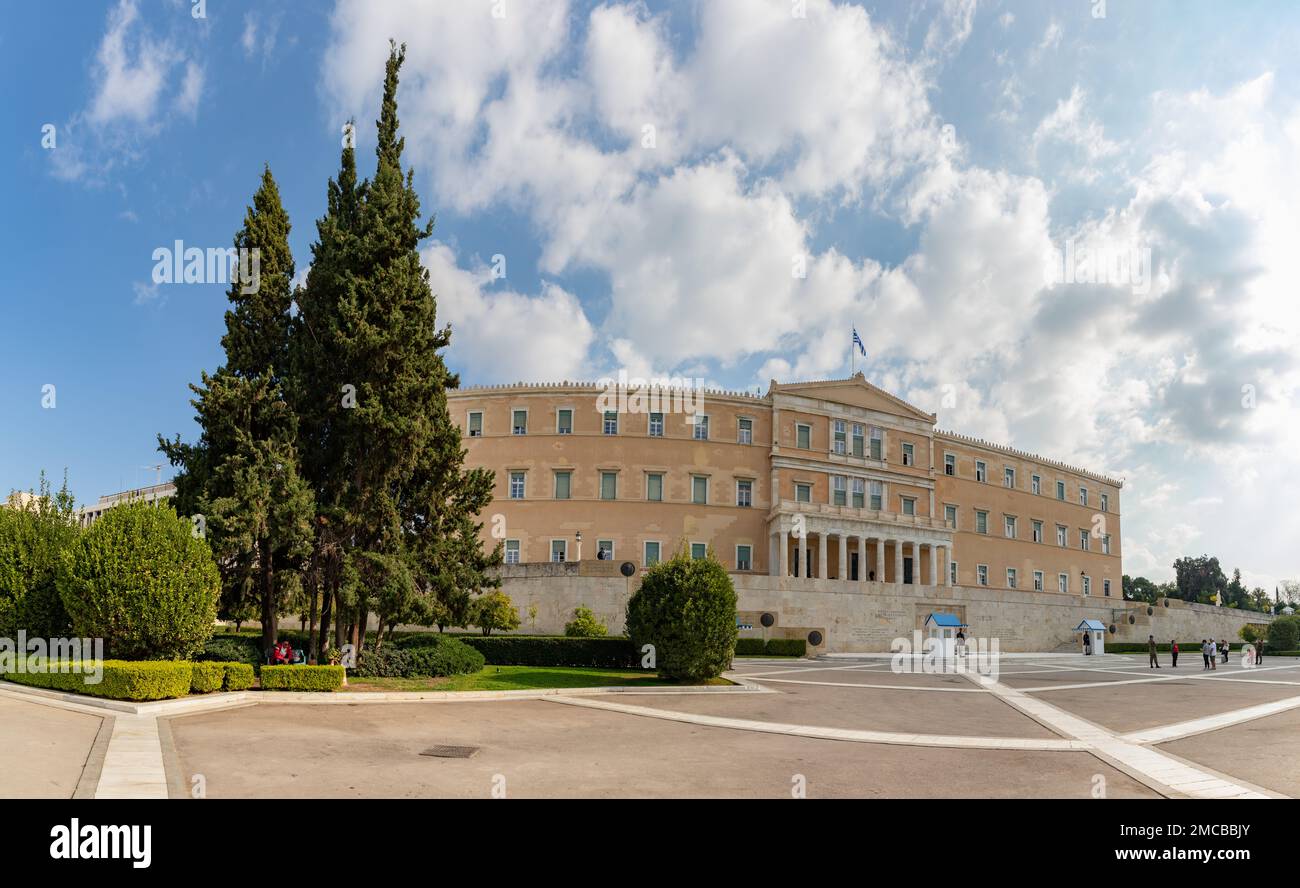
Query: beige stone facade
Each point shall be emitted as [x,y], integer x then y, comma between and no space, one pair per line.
[819,481]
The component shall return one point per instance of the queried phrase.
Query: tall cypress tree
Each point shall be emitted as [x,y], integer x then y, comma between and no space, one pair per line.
[242,475]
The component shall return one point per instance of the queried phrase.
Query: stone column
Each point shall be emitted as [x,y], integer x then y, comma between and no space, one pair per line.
[934,565]
[880,559]
[898,561]
[947,566]
[844,557]
[801,569]
[862,559]
[785,552]
[822,572]
[916,562]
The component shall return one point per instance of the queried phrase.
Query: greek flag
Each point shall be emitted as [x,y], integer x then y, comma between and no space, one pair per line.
[857,340]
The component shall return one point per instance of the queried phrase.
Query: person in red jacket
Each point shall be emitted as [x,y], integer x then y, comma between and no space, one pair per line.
[1173,649]
[282,653]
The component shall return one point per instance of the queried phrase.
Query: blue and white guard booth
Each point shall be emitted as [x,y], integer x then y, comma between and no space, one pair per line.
[1097,630]
[944,628]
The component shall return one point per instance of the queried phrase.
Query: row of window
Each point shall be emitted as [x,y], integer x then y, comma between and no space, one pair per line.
[1011,524]
[654,487]
[609,424]
[1013,579]
[1009,481]
[651,554]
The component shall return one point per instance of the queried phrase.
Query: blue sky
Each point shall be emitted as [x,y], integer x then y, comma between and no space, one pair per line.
[925,158]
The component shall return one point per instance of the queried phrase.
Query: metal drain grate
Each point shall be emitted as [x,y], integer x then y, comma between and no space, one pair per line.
[451,752]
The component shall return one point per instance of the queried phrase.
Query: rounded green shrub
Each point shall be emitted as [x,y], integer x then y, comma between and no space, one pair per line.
[238,677]
[1283,634]
[32,540]
[584,625]
[449,656]
[207,677]
[685,609]
[139,579]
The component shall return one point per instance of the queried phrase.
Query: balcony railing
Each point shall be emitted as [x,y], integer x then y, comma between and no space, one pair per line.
[829,510]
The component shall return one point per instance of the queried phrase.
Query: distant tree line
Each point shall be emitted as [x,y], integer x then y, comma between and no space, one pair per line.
[1201,580]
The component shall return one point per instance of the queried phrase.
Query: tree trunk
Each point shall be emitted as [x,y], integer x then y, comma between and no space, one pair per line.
[363,619]
[313,640]
[269,616]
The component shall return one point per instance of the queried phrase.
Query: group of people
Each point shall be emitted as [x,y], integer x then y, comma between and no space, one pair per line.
[1211,650]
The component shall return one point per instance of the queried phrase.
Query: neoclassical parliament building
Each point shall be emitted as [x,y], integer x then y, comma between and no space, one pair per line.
[833,480]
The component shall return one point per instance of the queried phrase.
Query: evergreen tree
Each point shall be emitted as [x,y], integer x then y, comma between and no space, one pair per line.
[243,476]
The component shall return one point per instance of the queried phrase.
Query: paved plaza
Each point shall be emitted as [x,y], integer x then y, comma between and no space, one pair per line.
[1048,726]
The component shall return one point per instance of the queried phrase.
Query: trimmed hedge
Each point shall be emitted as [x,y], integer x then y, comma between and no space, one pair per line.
[433,656]
[231,649]
[207,677]
[543,650]
[237,676]
[302,678]
[786,647]
[135,680]
[750,647]
[1185,648]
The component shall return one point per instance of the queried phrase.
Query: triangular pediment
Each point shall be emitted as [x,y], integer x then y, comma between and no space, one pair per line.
[856,392]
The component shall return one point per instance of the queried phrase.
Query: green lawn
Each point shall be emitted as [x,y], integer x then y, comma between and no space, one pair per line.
[518,678]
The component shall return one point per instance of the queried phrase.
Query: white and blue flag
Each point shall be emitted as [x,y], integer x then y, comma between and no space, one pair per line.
[857,340]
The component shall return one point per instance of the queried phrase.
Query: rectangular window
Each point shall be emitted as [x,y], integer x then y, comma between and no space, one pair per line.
[476,424]
[1038,531]
[803,493]
[744,494]
[981,522]
[1105,544]
[654,488]
[1009,526]
[745,431]
[701,432]
[604,550]
[909,505]
[1011,578]
[839,490]
[516,485]
[909,454]
[512,551]
[950,516]
[981,470]
[1063,583]
[699,490]
[952,572]
[1009,477]
[651,553]
[841,439]
[1087,585]
[1105,588]
[519,422]
[699,551]
[1035,485]
[1060,536]
[877,495]
[564,422]
[563,484]
[982,574]
[1083,540]
[559,550]
[608,485]
[1060,490]
[1038,581]
[949,464]
[1083,496]
[611,422]
[744,561]
[877,443]
[656,425]
[1105,503]
[859,493]
[857,440]
[803,436]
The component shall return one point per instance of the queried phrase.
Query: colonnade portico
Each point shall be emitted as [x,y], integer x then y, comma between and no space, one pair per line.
[866,549]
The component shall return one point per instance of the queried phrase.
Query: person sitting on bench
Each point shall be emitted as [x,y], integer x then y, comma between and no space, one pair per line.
[282,653]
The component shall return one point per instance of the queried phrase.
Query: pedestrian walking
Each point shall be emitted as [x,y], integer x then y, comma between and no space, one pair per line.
[1151,652]
[1173,651]
[1205,654]
[1214,655]
[1226,648]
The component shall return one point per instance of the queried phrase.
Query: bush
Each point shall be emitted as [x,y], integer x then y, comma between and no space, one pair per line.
[686,608]
[584,625]
[302,678]
[786,647]
[450,656]
[231,649]
[139,579]
[207,677]
[385,664]
[121,680]
[33,538]
[493,610]
[750,647]
[238,677]
[1283,634]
